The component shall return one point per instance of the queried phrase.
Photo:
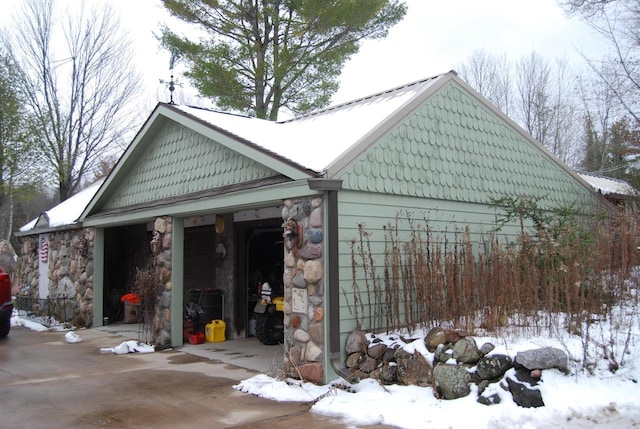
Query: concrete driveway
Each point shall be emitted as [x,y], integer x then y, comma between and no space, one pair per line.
[46,382]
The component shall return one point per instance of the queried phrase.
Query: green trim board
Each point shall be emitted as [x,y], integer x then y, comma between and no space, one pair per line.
[177,281]
[98,277]
[265,196]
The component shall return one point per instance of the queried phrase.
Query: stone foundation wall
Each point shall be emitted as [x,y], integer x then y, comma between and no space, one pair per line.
[304,288]
[70,275]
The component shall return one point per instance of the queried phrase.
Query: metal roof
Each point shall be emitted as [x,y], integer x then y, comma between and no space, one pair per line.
[316,140]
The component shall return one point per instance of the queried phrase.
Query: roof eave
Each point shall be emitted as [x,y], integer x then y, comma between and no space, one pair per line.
[38,231]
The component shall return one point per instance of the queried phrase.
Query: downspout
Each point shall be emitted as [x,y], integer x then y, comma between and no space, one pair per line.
[331,188]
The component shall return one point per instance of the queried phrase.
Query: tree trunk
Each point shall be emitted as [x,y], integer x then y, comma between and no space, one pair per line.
[10,226]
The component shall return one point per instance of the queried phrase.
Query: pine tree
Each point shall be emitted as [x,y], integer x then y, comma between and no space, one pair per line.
[261,56]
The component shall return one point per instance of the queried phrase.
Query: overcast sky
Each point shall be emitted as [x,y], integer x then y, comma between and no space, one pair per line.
[435,37]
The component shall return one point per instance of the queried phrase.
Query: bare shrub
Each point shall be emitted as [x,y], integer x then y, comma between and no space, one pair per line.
[560,273]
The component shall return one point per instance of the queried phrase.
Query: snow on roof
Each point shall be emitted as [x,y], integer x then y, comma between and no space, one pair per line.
[68,211]
[316,140]
[608,185]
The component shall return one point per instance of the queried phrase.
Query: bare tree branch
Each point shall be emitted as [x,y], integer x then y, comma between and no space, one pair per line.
[79,79]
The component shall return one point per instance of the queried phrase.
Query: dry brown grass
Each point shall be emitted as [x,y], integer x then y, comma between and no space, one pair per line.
[567,268]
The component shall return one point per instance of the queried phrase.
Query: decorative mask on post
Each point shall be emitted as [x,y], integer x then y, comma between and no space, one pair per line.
[292,233]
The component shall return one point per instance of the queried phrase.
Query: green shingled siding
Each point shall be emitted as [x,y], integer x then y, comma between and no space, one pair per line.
[454,148]
[442,165]
[443,218]
[180,162]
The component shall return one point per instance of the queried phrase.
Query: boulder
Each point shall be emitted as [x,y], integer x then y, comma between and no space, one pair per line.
[486,349]
[543,358]
[390,353]
[454,335]
[377,351]
[368,365]
[313,271]
[482,386]
[295,355]
[356,342]
[434,338]
[165,299]
[313,352]
[493,367]
[354,360]
[386,373]
[452,381]
[536,373]
[442,354]
[160,225]
[489,400]
[413,369]
[312,372]
[315,218]
[524,396]
[525,376]
[466,351]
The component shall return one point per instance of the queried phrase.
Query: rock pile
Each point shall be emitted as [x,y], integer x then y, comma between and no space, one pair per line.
[456,365]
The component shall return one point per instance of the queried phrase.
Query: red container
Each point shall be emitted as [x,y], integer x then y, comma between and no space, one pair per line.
[196,338]
[187,330]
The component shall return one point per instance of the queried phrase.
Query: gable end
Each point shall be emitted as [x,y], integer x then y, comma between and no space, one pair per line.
[180,162]
[453,147]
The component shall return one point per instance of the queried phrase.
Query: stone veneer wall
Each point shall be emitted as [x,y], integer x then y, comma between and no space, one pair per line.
[28,267]
[304,291]
[70,270]
[162,243]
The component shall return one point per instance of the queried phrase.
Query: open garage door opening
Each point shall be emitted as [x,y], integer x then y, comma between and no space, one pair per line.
[261,254]
[127,253]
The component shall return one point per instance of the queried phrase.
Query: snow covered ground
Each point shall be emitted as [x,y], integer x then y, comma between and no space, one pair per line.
[578,400]
[601,400]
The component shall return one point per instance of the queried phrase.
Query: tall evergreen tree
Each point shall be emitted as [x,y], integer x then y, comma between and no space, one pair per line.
[614,152]
[594,152]
[264,55]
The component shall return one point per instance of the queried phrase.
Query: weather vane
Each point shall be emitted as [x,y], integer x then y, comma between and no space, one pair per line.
[172,84]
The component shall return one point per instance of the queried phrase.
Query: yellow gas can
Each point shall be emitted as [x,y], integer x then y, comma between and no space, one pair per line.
[214,331]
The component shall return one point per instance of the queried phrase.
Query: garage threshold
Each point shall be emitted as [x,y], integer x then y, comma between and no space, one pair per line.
[247,353]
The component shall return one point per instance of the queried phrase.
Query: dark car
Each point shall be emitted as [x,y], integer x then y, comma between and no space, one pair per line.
[6,304]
